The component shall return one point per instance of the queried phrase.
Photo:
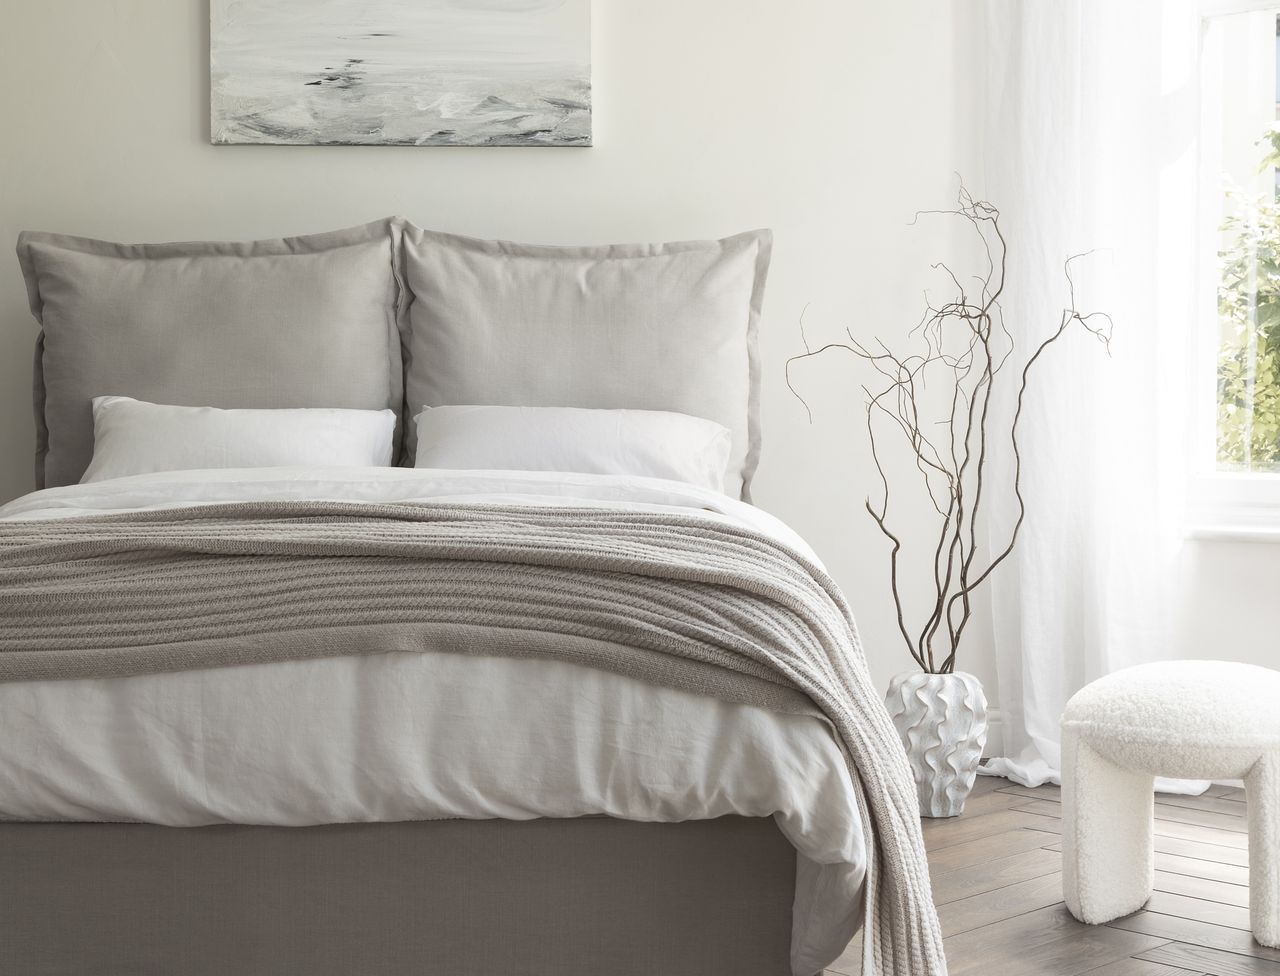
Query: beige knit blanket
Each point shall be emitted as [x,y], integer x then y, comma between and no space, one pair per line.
[680,600]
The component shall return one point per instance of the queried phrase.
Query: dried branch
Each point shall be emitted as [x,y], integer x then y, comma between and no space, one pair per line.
[967,346]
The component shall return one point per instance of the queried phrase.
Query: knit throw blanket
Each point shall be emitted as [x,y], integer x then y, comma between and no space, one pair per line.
[679,600]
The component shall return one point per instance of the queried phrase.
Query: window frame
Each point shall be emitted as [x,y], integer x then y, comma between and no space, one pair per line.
[1221,504]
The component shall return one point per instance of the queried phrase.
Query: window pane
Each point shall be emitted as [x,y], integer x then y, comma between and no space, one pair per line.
[1248,368]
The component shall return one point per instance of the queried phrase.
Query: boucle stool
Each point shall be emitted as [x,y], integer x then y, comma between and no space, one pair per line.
[1185,719]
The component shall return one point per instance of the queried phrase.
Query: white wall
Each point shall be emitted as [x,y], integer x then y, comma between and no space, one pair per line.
[1228,602]
[826,120]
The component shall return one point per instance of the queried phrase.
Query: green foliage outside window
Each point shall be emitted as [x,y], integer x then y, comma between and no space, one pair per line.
[1249,317]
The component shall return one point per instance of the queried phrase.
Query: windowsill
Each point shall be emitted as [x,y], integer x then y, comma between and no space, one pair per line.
[1234,507]
[1228,532]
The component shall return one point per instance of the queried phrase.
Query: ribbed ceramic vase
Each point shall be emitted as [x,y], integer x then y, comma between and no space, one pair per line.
[942,720]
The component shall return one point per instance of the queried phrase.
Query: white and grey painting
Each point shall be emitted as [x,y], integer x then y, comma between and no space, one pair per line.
[401,72]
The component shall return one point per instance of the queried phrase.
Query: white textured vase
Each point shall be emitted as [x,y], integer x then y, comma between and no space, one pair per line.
[942,720]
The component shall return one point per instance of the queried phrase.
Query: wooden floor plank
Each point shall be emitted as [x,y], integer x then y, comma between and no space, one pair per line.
[1212,804]
[1047,825]
[1220,799]
[1199,910]
[1206,838]
[986,784]
[941,834]
[1174,929]
[1140,967]
[1001,904]
[997,881]
[1047,942]
[1189,849]
[1042,808]
[985,849]
[1226,792]
[1191,810]
[1173,817]
[1204,852]
[978,805]
[1046,792]
[1203,888]
[949,886]
[1200,959]
[1199,868]
[1226,837]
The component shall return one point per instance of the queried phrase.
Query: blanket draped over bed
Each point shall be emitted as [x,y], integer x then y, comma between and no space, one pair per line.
[680,600]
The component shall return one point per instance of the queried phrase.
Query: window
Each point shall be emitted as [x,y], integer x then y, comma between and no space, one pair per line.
[1237,446]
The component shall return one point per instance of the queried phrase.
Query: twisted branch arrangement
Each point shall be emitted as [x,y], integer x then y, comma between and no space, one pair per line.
[965,343]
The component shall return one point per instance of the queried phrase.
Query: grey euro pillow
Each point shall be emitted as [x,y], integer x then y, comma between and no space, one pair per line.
[288,322]
[643,326]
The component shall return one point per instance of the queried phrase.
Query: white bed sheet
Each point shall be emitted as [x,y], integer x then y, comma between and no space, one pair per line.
[428,736]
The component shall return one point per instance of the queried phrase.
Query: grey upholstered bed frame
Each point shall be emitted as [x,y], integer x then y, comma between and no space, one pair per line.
[586,897]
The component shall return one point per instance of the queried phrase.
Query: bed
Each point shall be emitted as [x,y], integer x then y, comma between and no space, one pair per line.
[424,717]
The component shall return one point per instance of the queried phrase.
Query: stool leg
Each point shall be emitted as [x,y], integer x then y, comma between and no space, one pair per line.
[1108,861]
[1262,789]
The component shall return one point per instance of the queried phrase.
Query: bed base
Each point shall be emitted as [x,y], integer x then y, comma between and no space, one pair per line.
[584,897]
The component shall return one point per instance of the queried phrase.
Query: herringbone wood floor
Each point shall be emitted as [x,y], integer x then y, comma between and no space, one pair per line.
[998,884]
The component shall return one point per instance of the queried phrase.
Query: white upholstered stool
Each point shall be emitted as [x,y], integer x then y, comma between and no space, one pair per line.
[1185,719]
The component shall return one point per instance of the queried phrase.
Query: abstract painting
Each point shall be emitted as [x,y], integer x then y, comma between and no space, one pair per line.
[391,72]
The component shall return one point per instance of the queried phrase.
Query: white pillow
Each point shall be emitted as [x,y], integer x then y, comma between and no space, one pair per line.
[648,443]
[134,437]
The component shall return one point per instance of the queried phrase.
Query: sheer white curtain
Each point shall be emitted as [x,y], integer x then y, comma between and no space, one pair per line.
[1084,124]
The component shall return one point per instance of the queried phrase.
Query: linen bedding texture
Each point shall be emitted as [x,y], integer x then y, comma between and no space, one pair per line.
[131,437]
[435,735]
[647,443]
[647,326]
[679,600]
[291,322]
[391,316]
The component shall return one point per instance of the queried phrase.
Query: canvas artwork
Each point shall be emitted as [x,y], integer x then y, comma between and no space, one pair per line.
[387,72]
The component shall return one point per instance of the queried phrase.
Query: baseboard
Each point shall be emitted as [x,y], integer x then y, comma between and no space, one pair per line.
[996,724]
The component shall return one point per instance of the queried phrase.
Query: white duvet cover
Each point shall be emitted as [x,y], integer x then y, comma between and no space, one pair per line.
[428,736]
